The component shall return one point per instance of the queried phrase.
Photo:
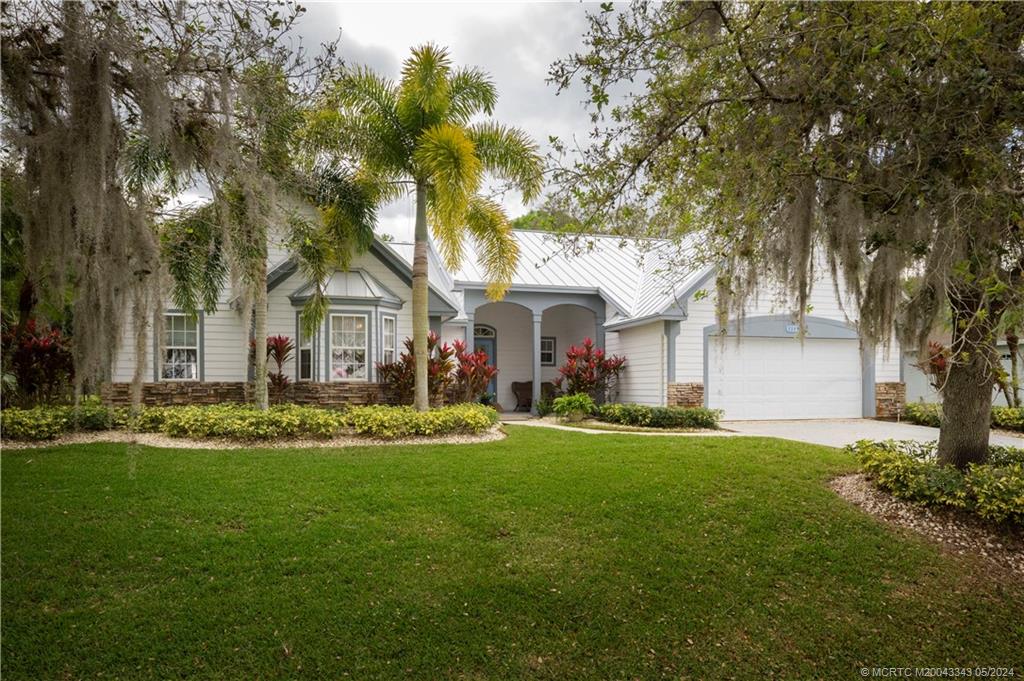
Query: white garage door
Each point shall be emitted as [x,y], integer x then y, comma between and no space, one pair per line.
[778,378]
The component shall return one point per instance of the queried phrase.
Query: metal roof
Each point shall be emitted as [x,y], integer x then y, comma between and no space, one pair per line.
[640,278]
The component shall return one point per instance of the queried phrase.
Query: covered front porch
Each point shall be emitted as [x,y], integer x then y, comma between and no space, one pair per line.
[527,335]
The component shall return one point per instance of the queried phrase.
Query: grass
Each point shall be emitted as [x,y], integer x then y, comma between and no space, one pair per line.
[548,555]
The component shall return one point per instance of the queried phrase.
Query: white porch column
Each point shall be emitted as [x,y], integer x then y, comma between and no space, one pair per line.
[537,317]
[599,331]
[469,332]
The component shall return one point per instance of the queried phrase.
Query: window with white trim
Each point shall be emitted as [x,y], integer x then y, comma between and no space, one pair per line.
[181,348]
[389,340]
[348,347]
[305,356]
[547,351]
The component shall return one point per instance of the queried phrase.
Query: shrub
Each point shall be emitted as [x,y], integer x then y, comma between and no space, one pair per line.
[588,370]
[909,470]
[1010,418]
[40,361]
[394,422]
[659,417]
[38,423]
[472,375]
[930,414]
[923,413]
[279,351]
[399,377]
[574,407]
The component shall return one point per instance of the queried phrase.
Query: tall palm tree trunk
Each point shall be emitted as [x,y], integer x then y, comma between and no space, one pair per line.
[260,332]
[420,292]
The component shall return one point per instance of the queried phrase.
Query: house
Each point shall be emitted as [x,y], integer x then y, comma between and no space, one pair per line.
[618,292]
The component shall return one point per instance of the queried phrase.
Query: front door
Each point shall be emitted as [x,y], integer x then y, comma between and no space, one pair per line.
[488,346]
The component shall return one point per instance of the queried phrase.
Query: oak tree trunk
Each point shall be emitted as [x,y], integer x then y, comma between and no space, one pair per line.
[420,312]
[967,392]
[260,334]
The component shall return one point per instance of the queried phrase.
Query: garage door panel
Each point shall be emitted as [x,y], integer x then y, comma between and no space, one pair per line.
[780,378]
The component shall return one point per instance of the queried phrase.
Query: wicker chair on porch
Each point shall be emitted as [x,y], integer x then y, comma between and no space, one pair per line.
[523,390]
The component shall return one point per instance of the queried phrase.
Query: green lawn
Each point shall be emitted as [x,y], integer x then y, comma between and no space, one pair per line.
[547,555]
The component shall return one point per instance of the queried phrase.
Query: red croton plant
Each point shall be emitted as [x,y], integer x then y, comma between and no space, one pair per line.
[473,374]
[588,370]
[452,372]
[40,359]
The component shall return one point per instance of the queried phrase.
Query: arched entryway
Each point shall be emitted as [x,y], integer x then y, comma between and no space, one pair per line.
[485,338]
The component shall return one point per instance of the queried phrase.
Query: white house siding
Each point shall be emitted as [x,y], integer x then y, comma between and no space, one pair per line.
[701,313]
[643,381]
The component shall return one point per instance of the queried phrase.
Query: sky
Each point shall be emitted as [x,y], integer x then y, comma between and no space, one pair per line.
[515,43]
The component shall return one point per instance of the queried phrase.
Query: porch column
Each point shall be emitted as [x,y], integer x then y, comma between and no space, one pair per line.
[469,332]
[537,317]
[599,330]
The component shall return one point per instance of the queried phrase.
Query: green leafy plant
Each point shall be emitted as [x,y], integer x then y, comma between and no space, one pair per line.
[930,414]
[574,407]
[909,470]
[388,423]
[659,417]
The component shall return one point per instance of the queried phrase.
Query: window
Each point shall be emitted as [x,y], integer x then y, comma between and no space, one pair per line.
[547,351]
[305,356]
[389,340]
[181,349]
[348,347]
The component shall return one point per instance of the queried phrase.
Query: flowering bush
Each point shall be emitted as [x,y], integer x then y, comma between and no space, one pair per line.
[589,371]
[473,374]
[400,377]
[40,359]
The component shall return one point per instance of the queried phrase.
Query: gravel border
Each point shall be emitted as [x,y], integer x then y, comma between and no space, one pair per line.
[956,532]
[163,441]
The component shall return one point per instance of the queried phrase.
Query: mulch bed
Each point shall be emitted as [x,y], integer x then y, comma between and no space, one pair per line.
[159,440]
[957,532]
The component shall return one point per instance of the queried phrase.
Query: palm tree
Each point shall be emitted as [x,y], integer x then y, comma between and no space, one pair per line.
[419,136]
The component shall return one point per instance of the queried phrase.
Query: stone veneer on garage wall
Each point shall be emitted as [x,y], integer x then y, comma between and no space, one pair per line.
[333,395]
[890,399]
[686,394]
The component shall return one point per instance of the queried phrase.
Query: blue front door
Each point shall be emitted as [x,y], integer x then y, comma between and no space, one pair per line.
[488,345]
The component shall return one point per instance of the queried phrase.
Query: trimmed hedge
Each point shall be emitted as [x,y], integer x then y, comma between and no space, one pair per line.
[393,422]
[930,414]
[659,417]
[243,422]
[909,470]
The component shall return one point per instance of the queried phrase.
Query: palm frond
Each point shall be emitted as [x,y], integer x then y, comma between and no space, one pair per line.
[447,158]
[497,249]
[365,135]
[509,154]
[425,90]
[313,251]
[192,248]
[471,92]
[348,209]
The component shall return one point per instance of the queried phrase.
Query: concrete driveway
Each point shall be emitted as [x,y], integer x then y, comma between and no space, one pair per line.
[841,432]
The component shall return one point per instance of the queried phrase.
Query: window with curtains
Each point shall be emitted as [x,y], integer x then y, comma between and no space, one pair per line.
[389,340]
[348,347]
[181,348]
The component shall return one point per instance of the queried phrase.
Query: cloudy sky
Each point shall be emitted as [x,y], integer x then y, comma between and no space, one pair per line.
[515,43]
